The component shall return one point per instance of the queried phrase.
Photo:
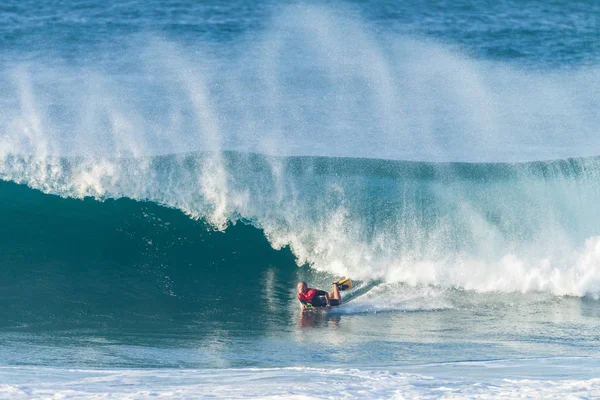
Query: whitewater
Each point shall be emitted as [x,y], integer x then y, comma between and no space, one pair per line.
[170,171]
[483,227]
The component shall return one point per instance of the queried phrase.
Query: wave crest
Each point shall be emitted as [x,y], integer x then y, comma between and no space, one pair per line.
[482,227]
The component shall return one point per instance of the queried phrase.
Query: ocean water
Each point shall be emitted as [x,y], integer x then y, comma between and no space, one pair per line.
[169,171]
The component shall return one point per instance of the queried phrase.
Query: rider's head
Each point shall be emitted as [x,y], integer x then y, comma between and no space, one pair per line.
[302,287]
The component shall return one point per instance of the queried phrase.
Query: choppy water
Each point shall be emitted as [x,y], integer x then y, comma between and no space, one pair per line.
[170,171]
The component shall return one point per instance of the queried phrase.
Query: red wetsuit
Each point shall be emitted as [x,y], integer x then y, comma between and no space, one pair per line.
[312,296]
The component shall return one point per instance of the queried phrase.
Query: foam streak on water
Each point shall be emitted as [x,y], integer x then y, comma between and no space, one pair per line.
[274,383]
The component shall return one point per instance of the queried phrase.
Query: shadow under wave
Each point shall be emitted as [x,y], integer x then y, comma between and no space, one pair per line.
[68,262]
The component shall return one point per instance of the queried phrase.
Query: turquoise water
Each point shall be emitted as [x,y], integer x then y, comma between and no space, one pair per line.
[170,170]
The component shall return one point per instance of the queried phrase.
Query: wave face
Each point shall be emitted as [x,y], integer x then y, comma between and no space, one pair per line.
[483,227]
[68,261]
[289,133]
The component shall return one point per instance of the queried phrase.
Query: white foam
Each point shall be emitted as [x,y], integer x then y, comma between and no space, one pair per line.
[327,228]
[386,297]
[577,275]
[273,383]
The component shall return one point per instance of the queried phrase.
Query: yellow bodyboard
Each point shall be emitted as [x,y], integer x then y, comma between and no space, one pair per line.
[344,284]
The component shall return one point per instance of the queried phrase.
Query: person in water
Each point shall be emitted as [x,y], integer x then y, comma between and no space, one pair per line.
[310,297]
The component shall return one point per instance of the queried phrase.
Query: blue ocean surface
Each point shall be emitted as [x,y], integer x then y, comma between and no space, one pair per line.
[170,170]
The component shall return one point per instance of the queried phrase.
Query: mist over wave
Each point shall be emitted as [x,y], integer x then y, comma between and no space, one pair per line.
[310,83]
[218,133]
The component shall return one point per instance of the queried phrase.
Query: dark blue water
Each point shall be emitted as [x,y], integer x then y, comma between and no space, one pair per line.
[170,170]
[541,34]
